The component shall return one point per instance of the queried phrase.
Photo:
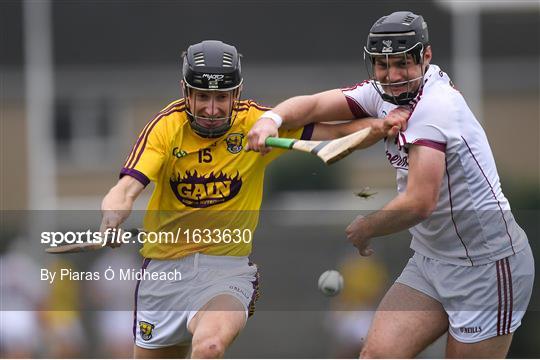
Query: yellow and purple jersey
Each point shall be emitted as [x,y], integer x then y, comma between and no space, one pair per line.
[208,191]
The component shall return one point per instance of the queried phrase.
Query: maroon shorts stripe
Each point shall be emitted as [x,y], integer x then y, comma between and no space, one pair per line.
[505,288]
[510,291]
[499,292]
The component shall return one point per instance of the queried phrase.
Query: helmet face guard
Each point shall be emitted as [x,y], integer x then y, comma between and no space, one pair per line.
[211,67]
[198,122]
[385,88]
[399,34]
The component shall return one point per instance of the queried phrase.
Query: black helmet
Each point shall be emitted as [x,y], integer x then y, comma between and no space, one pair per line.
[399,33]
[211,66]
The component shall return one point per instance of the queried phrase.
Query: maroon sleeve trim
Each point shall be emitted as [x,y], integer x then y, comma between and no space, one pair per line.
[432,144]
[308,132]
[356,108]
[143,179]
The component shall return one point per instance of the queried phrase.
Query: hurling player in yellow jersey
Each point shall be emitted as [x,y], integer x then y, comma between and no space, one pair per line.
[208,191]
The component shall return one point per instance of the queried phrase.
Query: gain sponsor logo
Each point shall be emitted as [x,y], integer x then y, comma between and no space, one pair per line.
[201,191]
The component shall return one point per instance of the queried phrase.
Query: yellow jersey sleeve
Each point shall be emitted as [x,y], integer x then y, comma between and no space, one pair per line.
[149,152]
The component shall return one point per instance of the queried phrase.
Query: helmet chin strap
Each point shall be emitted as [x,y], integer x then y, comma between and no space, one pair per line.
[401,99]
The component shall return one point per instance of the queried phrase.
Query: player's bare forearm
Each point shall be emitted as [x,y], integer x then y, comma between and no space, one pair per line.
[403,212]
[298,111]
[123,194]
[117,204]
[399,214]
[415,204]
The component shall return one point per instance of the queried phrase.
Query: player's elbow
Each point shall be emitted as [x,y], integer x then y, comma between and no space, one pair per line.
[423,213]
[421,202]
[423,208]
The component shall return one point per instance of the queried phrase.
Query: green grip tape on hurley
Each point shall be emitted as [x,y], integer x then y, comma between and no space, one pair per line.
[280,142]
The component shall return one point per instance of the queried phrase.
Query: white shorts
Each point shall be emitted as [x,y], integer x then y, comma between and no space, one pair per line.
[164,308]
[481,301]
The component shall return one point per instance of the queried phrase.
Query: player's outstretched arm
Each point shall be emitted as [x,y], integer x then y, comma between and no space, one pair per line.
[329,105]
[296,112]
[117,204]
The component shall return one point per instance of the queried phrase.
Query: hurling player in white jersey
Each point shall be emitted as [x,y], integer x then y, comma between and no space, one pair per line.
[472,271]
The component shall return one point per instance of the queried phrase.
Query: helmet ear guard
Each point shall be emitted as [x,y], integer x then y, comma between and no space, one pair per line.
[211,66]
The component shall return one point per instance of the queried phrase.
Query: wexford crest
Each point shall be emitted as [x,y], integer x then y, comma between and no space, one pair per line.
[234,142]
[146,330]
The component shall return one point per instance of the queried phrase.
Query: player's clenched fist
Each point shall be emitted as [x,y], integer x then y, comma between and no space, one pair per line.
[357,235]
[263,128]
[396,121]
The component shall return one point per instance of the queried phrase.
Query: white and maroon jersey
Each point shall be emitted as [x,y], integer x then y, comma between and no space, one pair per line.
[472,223]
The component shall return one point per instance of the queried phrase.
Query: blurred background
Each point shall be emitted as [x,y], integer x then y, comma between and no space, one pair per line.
[79,79]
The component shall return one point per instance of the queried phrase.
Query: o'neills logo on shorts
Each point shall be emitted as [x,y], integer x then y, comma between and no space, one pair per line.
[201,191]
[470,330]
[238,290]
